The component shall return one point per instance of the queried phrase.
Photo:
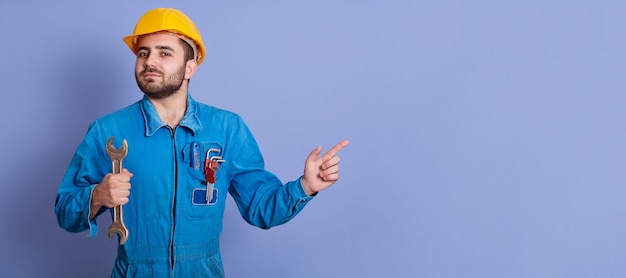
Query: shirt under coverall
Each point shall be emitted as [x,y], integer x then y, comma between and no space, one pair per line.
[173,231]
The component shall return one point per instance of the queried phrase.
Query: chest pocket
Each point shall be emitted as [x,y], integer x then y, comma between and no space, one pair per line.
[191,203]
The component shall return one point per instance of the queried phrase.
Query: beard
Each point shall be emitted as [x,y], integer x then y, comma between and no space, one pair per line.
[170,85]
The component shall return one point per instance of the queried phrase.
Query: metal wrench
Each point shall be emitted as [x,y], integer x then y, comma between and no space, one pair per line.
[116,156]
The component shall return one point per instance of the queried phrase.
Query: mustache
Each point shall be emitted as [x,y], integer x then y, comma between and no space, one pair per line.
[147,70]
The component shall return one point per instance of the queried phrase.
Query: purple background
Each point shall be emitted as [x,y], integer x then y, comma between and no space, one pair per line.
[487,137]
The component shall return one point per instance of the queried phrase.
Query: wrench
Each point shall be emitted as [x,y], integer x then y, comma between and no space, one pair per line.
[116,156]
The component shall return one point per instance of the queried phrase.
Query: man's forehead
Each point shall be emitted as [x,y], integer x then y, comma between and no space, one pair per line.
[159,39]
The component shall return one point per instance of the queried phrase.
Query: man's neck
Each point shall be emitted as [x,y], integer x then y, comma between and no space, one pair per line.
[171,109]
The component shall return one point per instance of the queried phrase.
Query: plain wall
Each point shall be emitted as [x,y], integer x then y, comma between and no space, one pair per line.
[487,137]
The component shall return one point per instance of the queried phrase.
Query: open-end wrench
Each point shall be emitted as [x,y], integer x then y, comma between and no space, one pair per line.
[116,156]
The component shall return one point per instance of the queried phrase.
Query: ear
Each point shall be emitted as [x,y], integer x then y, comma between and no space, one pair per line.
[190,68]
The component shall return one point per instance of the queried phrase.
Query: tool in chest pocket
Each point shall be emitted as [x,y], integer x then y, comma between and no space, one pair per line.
[211,165]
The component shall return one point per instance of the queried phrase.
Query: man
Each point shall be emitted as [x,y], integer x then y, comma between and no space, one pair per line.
[175,206]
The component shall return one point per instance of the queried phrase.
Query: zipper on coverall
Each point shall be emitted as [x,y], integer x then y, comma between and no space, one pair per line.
[172,255]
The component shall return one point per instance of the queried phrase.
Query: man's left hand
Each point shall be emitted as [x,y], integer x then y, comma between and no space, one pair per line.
[321,172]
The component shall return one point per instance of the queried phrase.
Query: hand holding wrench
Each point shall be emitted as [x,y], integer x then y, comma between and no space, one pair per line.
[116,156]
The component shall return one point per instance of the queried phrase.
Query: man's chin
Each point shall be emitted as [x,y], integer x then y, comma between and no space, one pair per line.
[157,94]
[150,88]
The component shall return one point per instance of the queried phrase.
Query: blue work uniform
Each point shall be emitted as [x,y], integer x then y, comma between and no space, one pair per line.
[173,230]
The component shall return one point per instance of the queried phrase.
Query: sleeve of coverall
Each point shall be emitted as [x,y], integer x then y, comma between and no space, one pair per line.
[262,199]
[72,205]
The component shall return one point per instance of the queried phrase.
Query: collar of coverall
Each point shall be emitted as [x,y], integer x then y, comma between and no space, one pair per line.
[153,122]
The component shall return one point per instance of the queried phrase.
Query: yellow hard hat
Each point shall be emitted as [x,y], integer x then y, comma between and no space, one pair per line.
[171,20]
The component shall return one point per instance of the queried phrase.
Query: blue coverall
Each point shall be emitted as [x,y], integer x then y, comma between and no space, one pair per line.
[173,231]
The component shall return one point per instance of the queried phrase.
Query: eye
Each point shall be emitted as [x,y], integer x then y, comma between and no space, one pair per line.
[166,54]
[142,54]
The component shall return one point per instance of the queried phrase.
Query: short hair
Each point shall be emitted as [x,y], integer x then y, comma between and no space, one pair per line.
[189,53]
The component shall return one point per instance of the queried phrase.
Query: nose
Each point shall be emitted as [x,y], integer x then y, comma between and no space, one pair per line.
[150,60]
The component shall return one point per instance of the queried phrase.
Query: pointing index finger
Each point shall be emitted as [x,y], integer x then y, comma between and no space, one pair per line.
[335,149]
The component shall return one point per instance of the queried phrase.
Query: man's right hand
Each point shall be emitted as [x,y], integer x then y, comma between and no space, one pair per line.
[112,191]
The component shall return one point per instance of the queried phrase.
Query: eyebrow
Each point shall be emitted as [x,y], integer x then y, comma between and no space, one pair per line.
[159,47]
